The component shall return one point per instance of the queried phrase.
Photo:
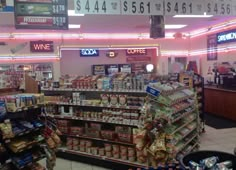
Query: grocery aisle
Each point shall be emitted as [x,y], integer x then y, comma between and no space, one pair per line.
[213,139]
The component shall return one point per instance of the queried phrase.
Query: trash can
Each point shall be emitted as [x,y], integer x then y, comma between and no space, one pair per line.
[200,155]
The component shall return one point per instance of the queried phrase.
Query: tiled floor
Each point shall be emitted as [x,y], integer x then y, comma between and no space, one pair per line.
[213,139]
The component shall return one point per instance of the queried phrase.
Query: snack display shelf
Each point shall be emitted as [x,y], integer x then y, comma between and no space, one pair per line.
[93,90]
[28,147]
[182,116]
[99,139]
[185,124]
[89,120]
[169,92]
[190,131]
[120,161]
[102,106]
[28,164]
[183,108]
[26,108]
[22,134]
[186,143]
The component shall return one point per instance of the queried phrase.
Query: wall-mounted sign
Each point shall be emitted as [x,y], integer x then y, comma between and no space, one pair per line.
[226,37]
[136,51]
[212,47]
[98,70]
[89,52]
[111,69]
[36,14]
[125,68]
[138,59]
[41,46]
[111,54]
[6,5]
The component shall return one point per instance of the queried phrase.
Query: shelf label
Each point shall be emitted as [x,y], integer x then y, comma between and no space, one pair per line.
[152,91]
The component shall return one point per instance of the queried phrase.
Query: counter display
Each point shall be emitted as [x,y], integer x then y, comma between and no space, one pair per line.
[220,102]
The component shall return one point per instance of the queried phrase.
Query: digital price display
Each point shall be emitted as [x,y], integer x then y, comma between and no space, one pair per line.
[41,14]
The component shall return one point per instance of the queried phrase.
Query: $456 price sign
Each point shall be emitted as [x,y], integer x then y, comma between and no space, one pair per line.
[97,6]
[219,7]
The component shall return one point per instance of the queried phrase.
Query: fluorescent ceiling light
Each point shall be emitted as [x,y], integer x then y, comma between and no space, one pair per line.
[174,26]
[193,16]
[72,13]
[73,26]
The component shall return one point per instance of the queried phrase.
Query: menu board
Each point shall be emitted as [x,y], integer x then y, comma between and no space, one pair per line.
[6,6]
[111,69]
[125,68]
[41,14]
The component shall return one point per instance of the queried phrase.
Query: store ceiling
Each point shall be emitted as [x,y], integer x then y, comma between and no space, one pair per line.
[117,23]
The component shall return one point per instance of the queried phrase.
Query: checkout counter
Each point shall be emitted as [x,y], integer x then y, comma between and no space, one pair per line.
[220,99]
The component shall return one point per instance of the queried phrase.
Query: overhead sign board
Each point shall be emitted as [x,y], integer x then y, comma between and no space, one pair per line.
[6,5]
[155,7]
[38,14]
[41,46]
[226,37]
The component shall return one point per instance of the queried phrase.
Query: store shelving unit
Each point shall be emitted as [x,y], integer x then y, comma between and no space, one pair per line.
[26,129]
[181,115]
[183,132]
[76,120]
[196,82]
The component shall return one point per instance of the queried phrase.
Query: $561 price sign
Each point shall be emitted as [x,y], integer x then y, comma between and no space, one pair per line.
[97,6]
[142,7]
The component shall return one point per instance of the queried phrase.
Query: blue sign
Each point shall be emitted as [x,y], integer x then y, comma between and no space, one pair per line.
[226,37]
[89,52]
[152,91]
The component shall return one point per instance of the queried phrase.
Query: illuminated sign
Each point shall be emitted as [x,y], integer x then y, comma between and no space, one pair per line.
[89,52]
[41,14]
[111,54]
[41,46]
[136,51]
[226,37]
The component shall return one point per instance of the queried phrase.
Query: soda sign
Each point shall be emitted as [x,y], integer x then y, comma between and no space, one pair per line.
[89,52]
[41,46]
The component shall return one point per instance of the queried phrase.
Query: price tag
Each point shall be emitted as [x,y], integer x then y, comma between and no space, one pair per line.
[97,6]
[234,8]
[142,7]
[180,7]
[219,7]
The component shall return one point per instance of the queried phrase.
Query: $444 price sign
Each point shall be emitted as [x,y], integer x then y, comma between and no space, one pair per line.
[97,6]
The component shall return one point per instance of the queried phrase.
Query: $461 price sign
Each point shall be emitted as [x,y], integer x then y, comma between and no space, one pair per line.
[97,6]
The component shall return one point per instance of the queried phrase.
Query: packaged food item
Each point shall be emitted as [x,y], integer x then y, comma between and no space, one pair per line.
[101,151]
[94,150]
[122,100]
[116,154]
[6,130]
[108,147]
[82,148]
[88,143]
[115,148]
[105,99]
[209,162]
[131,158]
[123,150]
[108,154]
[113,99]
[131,152]
[124,156]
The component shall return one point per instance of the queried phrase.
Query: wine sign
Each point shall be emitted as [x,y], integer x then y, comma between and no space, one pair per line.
[41,46]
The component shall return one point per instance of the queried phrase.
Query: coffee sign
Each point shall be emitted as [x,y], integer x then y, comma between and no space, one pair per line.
[136,51]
